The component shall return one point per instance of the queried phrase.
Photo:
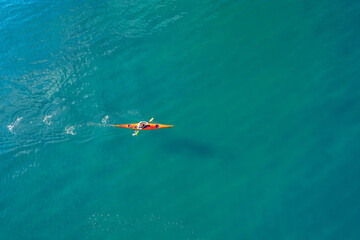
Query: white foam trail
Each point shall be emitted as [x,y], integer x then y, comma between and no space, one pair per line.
[99,124]
[14,124]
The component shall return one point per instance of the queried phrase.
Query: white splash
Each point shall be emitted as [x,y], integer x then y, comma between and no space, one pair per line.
[14,124]
[104,120]
[47,120]
[70,130]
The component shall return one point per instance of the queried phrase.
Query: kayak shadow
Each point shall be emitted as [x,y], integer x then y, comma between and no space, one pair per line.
[189,147]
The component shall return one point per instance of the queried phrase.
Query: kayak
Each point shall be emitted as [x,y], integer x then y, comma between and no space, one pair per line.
[149,126]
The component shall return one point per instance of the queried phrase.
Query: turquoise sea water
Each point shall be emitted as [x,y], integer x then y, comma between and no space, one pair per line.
[264,96]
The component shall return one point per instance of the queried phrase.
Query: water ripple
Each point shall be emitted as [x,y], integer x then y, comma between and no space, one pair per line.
[57,74]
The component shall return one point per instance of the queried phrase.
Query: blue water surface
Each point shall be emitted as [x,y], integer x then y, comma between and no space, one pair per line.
[264,96]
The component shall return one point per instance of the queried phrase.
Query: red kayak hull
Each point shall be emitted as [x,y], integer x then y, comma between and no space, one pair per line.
[149,126]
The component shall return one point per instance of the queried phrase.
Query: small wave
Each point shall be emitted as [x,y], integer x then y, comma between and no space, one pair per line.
[14,124]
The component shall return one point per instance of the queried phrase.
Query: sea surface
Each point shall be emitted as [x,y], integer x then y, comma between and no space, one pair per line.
[264,96]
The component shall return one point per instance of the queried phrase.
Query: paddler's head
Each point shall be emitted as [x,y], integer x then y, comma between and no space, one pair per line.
[142,124]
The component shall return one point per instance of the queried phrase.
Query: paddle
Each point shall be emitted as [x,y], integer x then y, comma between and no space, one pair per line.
[137,131]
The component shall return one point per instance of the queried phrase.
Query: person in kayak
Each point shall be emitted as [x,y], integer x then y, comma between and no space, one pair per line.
[141,125]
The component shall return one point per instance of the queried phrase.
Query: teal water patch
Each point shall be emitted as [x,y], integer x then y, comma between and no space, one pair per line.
[263,95]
